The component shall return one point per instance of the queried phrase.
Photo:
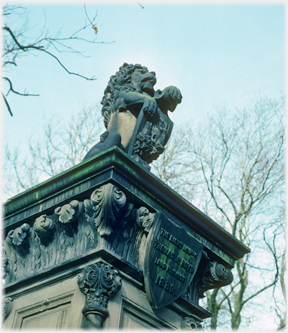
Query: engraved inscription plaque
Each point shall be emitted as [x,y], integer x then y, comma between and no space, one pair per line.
[171,260]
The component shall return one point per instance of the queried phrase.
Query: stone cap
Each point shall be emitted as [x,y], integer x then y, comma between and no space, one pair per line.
[115,165]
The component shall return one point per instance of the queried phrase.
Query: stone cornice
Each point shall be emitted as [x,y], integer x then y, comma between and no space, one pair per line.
[114,165]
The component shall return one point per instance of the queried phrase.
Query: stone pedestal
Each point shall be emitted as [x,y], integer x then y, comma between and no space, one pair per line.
[107,245]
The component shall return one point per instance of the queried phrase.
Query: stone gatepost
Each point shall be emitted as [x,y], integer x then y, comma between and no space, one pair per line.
[106,244]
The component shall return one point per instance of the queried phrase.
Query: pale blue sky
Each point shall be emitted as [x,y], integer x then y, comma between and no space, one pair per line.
[213,53]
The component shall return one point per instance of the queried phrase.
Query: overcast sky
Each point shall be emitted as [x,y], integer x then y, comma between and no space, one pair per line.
[213,53]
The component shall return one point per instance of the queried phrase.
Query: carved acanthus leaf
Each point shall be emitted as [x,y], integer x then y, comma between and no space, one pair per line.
[7,307]
[107,206]
[19,235]
[98,282]
[69,212]
[44,226]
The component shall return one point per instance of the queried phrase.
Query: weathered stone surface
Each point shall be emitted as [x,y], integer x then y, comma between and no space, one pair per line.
[106,210]
[135,115]
[75,229]
[171,261]
[109,238]
[117,167]
[98,282]
[190,323]
[42,306]
[6,307]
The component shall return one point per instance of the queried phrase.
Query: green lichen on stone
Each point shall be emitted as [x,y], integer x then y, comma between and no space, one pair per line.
[58,183]
[212,247]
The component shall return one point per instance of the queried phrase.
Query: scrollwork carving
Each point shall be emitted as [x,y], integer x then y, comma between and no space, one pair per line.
[53,239]
[98,282]
[209,275]
[19,235]
[217,276]
[107,206]
[44,226]
[69,212]
[190,323]
[7,307]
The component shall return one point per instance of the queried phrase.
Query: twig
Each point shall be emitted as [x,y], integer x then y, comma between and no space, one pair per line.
[7,105]
[16,92]
[140,5]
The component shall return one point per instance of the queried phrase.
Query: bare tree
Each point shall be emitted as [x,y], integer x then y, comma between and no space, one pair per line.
[174,166]
[235,162]
[231,166]
[17,42]
[62,145]
[276,230]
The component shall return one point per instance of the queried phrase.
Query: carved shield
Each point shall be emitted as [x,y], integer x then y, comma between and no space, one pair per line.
[150,136]
[171,260]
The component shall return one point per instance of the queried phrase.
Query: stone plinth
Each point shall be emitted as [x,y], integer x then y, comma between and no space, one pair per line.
[107,244]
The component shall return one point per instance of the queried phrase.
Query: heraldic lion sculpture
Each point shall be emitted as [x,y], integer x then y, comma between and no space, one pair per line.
[129,95]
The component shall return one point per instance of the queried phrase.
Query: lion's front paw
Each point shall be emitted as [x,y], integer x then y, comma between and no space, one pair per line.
[149,108]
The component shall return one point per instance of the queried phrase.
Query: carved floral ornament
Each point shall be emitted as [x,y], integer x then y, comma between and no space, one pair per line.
[19,235]
[189,323]
[106,207]
[76,228]
[73,229]
[98,282]
[69,212]
[6,307]
[45,227]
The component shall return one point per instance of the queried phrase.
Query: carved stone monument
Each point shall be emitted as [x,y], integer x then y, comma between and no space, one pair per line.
[106,244]
[135,116]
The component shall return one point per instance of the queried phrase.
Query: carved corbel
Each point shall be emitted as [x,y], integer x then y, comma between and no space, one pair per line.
[189,323]
[7,307]
[44,227]
[107,206]
[209,275]
[98,282]
[69,212]
[217,276]
[67,216]
[19,238]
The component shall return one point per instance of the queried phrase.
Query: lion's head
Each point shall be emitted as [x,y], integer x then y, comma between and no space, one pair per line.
[129,78]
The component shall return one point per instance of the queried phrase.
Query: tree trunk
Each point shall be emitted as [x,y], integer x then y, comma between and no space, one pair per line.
[213,307]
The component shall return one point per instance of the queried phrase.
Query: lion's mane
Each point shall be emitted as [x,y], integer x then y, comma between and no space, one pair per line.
[121,81]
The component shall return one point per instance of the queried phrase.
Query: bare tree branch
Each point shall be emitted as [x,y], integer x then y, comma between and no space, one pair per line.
[18,43]
[237,169]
